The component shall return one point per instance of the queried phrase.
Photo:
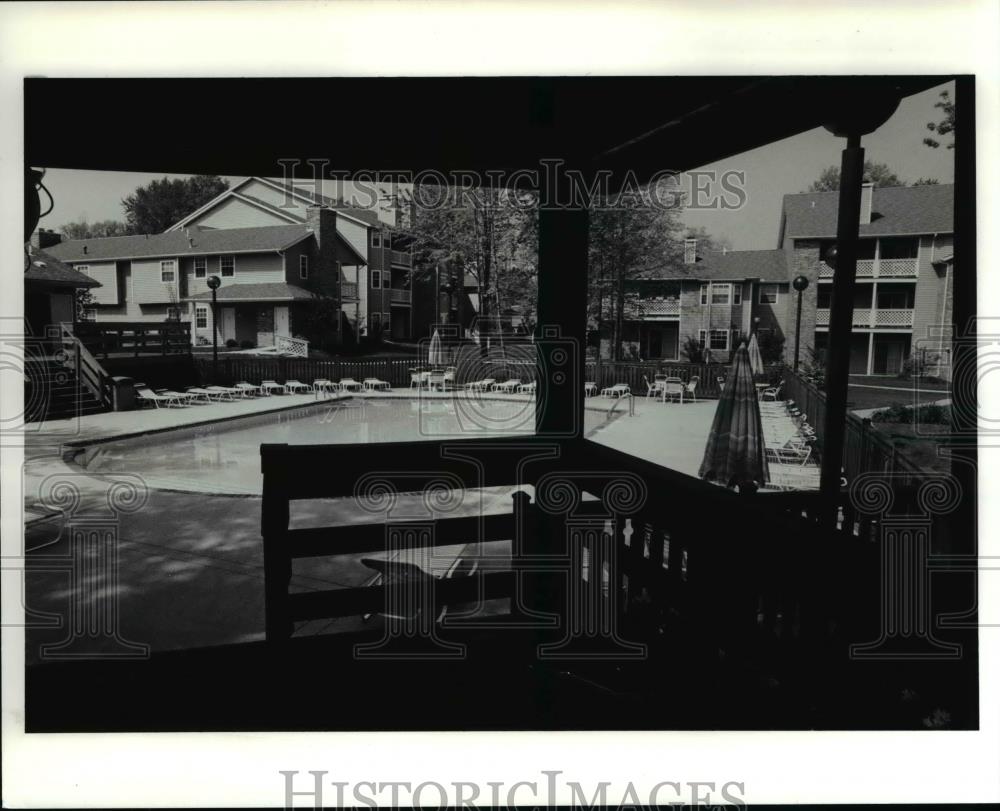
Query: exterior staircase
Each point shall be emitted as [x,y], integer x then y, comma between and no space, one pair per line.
[52,390]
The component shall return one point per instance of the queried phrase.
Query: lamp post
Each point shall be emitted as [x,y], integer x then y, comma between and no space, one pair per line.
[800,283]
[213,283]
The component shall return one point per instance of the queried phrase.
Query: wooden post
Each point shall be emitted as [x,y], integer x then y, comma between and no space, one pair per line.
[841,317]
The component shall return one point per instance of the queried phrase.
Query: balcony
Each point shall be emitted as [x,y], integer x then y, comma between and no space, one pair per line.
[872,319]
[652,308]
[399,296]
[348,290]
[878,269]
[404,258]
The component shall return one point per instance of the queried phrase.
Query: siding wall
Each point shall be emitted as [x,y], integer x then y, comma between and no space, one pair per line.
[928,294]
[251,268]
[105,273]
[233,213]
[146,285]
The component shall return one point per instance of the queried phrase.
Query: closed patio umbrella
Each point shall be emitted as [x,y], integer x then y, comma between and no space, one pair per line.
[435,354]
[734,454]
[756,362]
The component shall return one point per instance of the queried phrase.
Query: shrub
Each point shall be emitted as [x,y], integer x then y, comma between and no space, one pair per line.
[203,341]
[930,414]
[692,349]
[771,345]
[232,343]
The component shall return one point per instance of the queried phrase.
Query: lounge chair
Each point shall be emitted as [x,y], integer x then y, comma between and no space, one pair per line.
[374,384]
[323,384]
[589,388]
[268,386]
[225,392]
[691,388]
[673,388]
[349,384]
[295,386]
[417,379]
[772,392]
[617,390]
[480,385]
[508,385]
[147,395]
[436,380]
[528,388]
[182,395]
[203,393]
[248,389]
[792,452]
[449,378]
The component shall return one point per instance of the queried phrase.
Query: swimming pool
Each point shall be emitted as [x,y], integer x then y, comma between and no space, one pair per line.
[224,457]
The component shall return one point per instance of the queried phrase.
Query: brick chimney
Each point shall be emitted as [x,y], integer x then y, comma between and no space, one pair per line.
[690,251]
[323,223]
[867,190]
[44,238]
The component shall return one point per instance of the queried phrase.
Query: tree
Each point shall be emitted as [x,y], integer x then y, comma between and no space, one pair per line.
[878,173]
[946,126]
[87,230]
[153,208]
[489,233]
[629,240]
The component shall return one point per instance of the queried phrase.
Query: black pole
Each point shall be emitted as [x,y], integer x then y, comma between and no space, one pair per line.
[841,318]
[798,329]
[215,337]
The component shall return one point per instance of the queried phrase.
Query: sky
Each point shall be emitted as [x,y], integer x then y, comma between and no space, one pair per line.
[784,167]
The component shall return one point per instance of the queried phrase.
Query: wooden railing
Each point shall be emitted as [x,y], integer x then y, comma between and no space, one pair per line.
[401,258]
[348,290]
[135,337]
[90,374]
[866,317]
[400,296]
[877,268]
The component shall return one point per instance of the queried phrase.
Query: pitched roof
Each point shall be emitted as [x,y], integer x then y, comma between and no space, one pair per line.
[47,269]
[175,243]
[896,210]
[265,291]
[364,214]
[767,265]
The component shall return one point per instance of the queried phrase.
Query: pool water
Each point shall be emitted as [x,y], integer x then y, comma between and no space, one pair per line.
[224,457]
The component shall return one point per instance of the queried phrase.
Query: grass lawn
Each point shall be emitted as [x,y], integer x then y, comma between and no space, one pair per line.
[892,391]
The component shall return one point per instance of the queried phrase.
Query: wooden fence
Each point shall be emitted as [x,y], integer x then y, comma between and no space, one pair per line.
[865,448]
[134,337]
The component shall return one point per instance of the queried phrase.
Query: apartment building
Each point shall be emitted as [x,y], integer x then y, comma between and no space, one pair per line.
[903,292]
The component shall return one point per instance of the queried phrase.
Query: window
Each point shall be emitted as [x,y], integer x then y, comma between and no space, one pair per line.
[84,269]
[769,294]
[690,251]
[168,271]
[375,319]
[303,267]
[718,339]
[737,294]
[173,313]
[200,267]
[376,239]
[201,317]
[376,279]
[701,339]
[227,265]
[824,296]
[704,294]
[721,293]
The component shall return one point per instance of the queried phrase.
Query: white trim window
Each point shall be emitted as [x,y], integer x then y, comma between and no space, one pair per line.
[722,293]
[377,279]
[768,294]
[737,294]
[303,266]
[168,271]
[375,321]
[376,239]
[201,317]
[83,268]
[718,339]
[173,313]
[701,338]
[200,267]
[227,266]
[704,294]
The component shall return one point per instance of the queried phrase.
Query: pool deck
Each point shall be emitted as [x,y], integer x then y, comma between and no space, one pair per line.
[189,568]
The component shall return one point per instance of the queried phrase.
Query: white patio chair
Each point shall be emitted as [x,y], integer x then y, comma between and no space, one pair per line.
[267,387]
[508,385]
[323,384]
[224,392]
[416,380]
[691,388]
[374,384]
[772,392]
[248,389]
[528,388]
[589,389]
[295,386]
[655,388]
[349,384]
